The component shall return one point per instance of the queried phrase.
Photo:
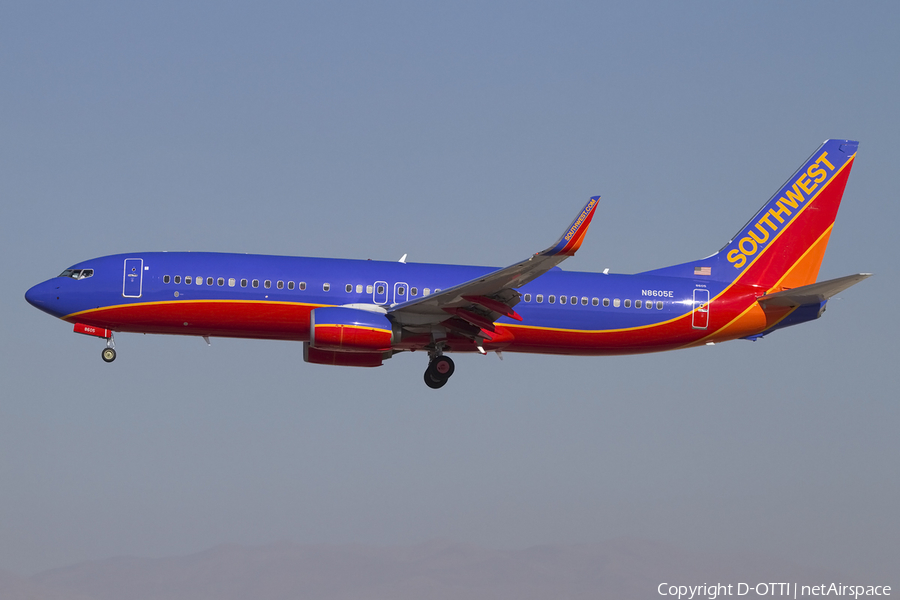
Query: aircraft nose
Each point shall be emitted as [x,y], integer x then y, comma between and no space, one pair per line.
[35,295]
[40,296]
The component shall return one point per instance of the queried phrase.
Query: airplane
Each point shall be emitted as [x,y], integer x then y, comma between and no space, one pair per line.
[361,312]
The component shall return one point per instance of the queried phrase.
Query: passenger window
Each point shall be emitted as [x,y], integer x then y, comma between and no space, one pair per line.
[401,291]
[562,299]
[256,283]
[637,303]
[290,285]
[615,303]
[649,304]
[178,279]
[165,279]
[573,300]
[359,288]
[199,280]
[659,305]
[187,280]
[231,282]
[243,283]
[595,301]
[302,285]
[539,298]
[221,281]
[584,301]
[627,303]
[527,297]
[209,281]
[436,290]
[606,302]
[370,289]
[280,285]
[326,287]
[267,283]
[380,289]
[426,292]
[348,288]
[413,291]
[551,299]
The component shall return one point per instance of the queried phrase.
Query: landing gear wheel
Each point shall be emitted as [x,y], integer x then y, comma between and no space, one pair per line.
[442,367]
[439,371]
[433,383]
[108,355]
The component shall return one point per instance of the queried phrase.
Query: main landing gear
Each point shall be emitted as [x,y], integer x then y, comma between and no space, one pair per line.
[439,370]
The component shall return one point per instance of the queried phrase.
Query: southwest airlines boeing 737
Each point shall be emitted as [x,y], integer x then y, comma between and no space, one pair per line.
[357,313]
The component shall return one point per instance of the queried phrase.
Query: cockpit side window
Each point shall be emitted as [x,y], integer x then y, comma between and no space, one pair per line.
[77,273]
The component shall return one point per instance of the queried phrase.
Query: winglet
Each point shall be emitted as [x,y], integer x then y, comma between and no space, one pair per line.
[571,240]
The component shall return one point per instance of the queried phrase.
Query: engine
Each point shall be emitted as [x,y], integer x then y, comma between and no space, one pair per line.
[341,329]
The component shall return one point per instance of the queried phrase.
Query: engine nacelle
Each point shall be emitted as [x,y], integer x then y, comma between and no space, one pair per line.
[348,330]
[343,359]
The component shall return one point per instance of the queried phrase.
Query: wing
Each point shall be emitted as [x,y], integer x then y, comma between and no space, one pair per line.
[470,309]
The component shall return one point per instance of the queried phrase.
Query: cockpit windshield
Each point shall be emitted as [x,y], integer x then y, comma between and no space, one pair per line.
[77,273]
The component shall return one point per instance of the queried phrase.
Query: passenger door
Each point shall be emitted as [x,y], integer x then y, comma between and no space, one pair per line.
[133,277]
[701,309]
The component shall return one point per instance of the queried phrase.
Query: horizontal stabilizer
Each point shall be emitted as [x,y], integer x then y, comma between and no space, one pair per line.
[811,294]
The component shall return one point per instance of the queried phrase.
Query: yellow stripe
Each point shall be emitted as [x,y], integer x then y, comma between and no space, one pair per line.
[672,320]
[158,303]
[353,327]
[712,334]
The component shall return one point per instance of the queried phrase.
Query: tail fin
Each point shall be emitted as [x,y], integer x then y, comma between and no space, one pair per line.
[782,246]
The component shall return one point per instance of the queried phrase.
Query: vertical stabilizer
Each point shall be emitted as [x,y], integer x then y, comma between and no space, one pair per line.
[782,246]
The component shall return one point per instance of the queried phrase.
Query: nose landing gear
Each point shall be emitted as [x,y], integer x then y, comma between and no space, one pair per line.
[109,353]
[439,370]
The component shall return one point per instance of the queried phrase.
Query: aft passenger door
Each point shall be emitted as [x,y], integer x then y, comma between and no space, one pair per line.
[134,274]
[701,309]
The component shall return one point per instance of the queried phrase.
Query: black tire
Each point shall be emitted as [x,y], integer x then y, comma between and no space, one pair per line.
[433,382]
[441,367]
[108,355]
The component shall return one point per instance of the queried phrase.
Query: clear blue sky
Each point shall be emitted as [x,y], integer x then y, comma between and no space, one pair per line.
[458,133]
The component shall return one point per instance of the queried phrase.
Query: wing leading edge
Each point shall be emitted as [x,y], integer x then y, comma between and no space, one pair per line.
[471,308]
